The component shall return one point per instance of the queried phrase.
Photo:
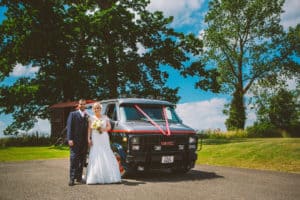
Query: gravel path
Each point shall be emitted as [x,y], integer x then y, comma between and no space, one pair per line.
[48,179]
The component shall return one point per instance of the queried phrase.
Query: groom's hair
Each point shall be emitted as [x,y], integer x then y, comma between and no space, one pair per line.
[81,100]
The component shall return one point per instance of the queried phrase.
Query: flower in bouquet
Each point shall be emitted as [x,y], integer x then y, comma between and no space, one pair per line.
[98,124]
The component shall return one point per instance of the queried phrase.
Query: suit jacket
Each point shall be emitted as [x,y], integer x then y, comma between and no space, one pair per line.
[77,128]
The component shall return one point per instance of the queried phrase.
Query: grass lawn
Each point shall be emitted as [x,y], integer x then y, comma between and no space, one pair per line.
[32,153]
[279,154]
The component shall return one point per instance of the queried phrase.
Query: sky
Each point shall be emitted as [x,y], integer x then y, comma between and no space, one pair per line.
[198,109]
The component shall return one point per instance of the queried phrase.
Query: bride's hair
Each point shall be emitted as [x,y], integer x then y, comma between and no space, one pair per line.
[97,105]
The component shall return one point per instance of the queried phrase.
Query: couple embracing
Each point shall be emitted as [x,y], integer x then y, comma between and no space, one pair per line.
[85,132]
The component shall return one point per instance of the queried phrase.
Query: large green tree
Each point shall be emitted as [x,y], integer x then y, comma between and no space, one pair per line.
[242,44]
[90,49]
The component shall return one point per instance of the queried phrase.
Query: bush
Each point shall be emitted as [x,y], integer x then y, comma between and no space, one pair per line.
[217,134]
[26,140]
[264,130]
[294,130]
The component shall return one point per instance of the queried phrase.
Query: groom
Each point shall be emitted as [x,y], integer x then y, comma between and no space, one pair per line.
[77,128]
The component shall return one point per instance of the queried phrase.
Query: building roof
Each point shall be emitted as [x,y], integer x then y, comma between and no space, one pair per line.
[69,104]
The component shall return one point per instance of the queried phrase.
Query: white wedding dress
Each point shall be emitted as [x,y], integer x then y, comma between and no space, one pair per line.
[102,163]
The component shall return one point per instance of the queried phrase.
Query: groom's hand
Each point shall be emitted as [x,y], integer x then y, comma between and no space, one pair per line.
[71,143]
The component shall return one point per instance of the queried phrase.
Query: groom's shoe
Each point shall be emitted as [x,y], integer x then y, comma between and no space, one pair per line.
[71,183]
[81,181]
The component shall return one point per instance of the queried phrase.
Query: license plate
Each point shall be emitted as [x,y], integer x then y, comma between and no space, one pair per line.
[167,159]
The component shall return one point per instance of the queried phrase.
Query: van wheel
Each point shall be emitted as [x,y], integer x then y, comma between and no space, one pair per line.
[121,168]
[124,169]
[181,170]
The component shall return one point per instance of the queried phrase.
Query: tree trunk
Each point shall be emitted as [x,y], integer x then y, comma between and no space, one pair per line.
[237,114]
[112,74]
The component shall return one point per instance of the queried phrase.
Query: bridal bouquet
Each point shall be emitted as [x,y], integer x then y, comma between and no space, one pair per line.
[98,124]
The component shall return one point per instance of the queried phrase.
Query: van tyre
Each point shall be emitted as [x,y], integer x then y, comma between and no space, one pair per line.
[181,170]
[125,171]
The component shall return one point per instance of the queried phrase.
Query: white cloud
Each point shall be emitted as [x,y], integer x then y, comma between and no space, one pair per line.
[207,114]
[21,70]
[291,16]
[92,12]
[42,126]
[2,127]
[292,83]
[201,34]
[141,48]
[251,117]
[203,114]
[182,10]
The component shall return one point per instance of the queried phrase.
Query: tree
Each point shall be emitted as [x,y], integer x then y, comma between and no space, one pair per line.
[277,105]
[86,49]
[241,43]
[283,110]
[280,108]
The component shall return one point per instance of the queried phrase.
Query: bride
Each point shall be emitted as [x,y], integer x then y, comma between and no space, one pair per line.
[102,165]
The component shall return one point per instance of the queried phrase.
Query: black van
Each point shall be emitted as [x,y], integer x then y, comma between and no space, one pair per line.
[148,134]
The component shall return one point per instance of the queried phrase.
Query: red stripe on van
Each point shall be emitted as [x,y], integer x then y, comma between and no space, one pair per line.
[150,131]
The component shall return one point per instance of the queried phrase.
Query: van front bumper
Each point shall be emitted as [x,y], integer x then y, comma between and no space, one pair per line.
[156,161]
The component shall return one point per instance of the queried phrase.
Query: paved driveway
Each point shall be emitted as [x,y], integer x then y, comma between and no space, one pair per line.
[47,179]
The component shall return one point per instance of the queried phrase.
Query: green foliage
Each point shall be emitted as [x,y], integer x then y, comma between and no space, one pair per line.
[266,130]
[278,111]
[237,115]
[277,106]
[86,49]
[242,41]
[263,130]
[291,49]
[283,110]
[25,140]
[217,134]
[258,130]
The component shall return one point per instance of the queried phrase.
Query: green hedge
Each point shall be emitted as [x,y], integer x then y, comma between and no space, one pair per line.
[217,134]
[26,140]
[262,130]
[266,130]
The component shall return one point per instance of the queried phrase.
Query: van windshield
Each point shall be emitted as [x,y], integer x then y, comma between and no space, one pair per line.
[155,112]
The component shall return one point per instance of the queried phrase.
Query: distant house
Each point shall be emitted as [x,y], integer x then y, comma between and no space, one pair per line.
[59,116]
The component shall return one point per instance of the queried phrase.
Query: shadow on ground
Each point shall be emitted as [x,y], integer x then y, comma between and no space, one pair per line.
[167,176]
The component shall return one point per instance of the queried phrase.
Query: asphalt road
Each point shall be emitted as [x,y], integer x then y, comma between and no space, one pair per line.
[47,179]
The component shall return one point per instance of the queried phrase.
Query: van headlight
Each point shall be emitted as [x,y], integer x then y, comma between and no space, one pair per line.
[124,139]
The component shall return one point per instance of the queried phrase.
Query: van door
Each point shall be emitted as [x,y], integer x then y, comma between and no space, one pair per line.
[111,113]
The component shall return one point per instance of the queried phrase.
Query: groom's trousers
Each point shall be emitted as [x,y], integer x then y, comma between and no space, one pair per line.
[77,162]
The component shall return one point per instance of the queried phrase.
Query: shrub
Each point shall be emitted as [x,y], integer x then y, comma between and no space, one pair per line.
[264,130]
[26,140]
[217,134]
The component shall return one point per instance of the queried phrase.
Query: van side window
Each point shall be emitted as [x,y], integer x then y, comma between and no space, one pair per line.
[111,112]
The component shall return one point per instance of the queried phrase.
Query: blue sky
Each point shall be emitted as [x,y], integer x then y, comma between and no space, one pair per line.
[199,109]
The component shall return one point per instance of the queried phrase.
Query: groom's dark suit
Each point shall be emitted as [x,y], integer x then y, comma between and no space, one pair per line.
[77,127]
